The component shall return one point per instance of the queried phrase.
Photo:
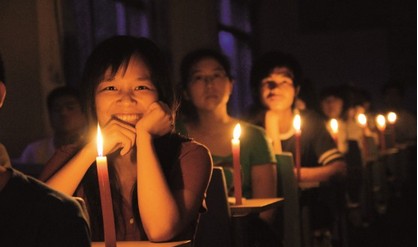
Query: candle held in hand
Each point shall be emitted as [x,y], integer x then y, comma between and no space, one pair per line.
[391,120]
[105,193]
[236,164]
[297,122]
[334,129]
[362,121]
[381,126]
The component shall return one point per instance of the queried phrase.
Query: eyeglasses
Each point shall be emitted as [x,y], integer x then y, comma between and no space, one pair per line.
[217,77]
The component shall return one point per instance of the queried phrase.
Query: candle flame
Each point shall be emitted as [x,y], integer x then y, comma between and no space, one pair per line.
[334,125]
[99,141]
[237,131]
[362,119]
[297,122]
[391,117]
[381,122]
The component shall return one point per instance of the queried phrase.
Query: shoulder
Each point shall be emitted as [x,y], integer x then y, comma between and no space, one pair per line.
[195,148]
[252,129]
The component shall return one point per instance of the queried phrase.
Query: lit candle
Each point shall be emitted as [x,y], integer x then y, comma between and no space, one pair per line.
[236,163]
[296,125]
[333,123]
[381,126]
[362,120]
[105,193]
[391,120]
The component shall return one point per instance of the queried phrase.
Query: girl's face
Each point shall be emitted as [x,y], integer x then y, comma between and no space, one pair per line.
[209,85]
[277,91]
[332,106]
[126,95]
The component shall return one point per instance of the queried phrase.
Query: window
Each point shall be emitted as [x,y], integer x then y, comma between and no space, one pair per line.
[234,39]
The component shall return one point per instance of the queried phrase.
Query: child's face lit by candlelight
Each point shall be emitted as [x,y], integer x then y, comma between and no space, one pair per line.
[277,90]
[126,95]
[209,86]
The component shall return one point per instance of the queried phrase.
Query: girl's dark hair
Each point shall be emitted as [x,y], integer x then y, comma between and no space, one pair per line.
[187,108]
[115,53]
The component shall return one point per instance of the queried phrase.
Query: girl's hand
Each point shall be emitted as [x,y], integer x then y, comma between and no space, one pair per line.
[116,135]
[157,120]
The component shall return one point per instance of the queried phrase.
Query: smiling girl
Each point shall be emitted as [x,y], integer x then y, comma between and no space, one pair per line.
[158,179]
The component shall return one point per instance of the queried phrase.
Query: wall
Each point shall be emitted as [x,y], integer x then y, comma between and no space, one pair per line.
[29,47]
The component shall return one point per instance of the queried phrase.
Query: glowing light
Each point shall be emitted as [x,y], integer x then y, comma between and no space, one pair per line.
[99,141]
[334,125]
[297,122]
[362,119]
[391,117]
[381,122]
[237,132]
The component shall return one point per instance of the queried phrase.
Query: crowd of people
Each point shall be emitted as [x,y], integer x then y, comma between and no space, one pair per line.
[162,144]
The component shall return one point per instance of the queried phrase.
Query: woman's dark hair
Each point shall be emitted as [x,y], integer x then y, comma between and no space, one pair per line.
[187,108]
[115,53]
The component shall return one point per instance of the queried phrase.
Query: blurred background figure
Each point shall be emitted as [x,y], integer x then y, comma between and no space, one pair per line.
[68,122]
[406,123]
[333,106]
[31,213]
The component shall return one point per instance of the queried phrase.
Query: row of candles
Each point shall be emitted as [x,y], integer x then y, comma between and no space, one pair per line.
[391,118]
[103,178]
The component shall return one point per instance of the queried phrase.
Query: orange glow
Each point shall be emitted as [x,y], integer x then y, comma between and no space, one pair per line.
[381,122]
[237,132]
[99,141]
[362,119]
[334,125]
[297,122]
[391,117]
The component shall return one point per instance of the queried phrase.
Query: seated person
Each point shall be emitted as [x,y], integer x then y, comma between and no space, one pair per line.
[206,87]
[32,214]
[275,83]
[333,106]
[68,123]
[158,179]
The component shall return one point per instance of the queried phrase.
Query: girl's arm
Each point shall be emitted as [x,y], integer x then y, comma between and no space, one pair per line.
[116,136]
[166,213]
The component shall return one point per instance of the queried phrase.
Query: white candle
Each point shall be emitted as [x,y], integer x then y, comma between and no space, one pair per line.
[105,193]
[236,164]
